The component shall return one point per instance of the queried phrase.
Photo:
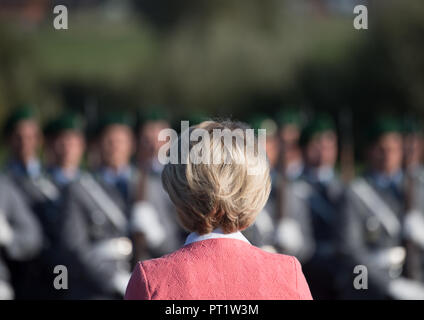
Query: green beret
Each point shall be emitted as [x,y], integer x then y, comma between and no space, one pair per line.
[153,113]
[64,122]
[114,118]
[381,126]
[289,116]
[261,121]
[319,124]
[22,112]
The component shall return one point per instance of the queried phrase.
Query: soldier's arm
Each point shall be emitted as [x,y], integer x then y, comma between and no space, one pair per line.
[76,245]
[352,248]
[27,235]
[294,232]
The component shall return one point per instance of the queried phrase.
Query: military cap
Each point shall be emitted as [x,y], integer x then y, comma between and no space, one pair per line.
[22,112]
[289,116]
[114,118]
[381,126]
[63,122]
[262,121]
[319,124]
[153,113]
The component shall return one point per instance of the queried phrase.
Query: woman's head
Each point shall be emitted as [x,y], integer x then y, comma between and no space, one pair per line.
[219,194]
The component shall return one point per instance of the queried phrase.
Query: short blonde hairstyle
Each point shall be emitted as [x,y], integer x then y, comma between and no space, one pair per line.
[210,196]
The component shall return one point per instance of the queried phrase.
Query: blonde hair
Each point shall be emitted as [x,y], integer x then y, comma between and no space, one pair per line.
[224,195]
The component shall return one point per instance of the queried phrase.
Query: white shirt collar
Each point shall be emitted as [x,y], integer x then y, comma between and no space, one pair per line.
[215,234]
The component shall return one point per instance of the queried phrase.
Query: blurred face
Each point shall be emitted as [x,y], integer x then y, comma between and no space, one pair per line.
[289,136]
[321,151]
[149,144]
[412,150]
[116,146]
[386,153]
[272,150]
[68,149]
[25,140]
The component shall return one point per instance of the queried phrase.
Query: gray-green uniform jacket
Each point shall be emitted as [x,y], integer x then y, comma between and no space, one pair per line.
[20,238]
[371,233]
[94,232]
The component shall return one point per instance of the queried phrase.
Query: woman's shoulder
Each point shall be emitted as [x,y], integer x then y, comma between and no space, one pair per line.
[229,249]
[217,260]
[282,261]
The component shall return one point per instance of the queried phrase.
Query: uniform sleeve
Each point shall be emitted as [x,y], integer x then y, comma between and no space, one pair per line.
[296,209]
[27,235]
[137,288]
[353,251]
[301,284]
[76,245]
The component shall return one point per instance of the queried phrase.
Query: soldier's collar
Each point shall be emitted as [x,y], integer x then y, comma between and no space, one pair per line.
[32,169]
[60,177]
[319,175]
[111,176]
[384,180]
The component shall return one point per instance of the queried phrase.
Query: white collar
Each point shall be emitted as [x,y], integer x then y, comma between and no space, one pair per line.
[215,234]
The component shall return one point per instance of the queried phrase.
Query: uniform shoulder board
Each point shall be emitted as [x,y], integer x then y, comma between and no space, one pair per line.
[47,188]
[372,200]
[103,201]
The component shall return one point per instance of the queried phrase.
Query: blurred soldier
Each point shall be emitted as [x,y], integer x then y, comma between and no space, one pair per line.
[95,226]
[24,167]
[288,236]
[290,126]
[261,232]
[25,170]
[371,228]
[24,139]
[66,141]
[153,216]
[414,199]
[149,126]
[313,202]
[64,145]
[412,146]
[20,238]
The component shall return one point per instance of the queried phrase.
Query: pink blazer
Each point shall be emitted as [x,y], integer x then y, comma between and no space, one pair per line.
[219,269]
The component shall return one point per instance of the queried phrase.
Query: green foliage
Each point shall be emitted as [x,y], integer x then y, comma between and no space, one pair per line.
[221,58]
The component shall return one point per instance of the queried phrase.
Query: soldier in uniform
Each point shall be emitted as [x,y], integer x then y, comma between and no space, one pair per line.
[20,237]
[288,236]
[413,146]
[261,232]
[24,169]
[289,127]
[313,202]
[153,219]
[95,227]
[66,142]
[372,224]
[414,202]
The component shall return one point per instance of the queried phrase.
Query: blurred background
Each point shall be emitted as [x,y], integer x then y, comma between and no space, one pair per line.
[198,59]
[221,58]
